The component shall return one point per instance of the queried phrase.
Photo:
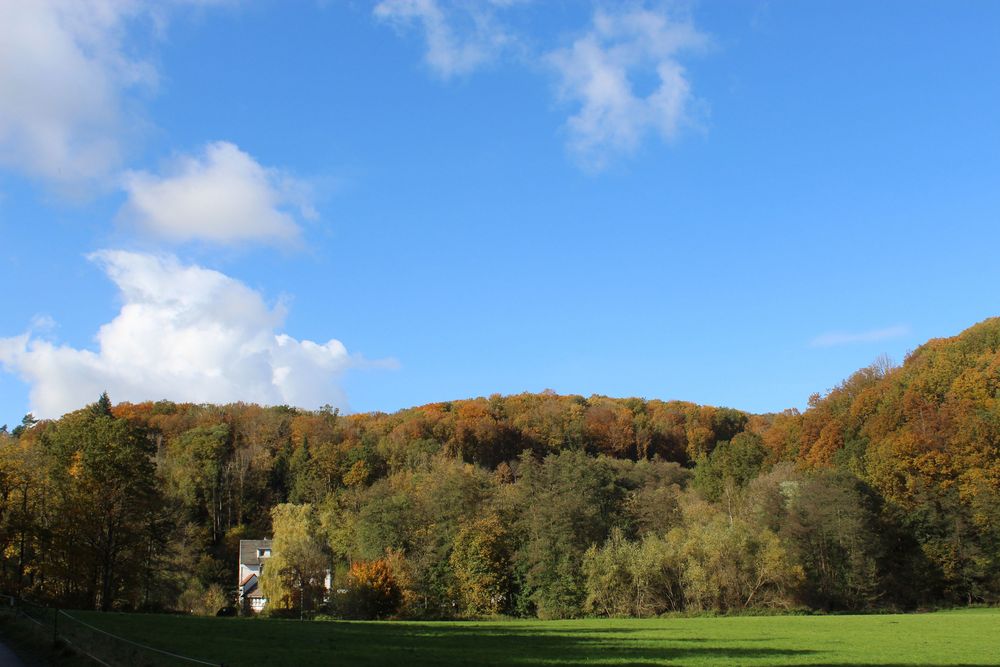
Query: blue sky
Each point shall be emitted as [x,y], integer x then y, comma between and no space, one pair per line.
[384,204]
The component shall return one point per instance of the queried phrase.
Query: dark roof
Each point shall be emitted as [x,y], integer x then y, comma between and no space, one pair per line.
[248,550]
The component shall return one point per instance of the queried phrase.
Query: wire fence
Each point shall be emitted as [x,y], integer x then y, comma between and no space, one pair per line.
[101,646]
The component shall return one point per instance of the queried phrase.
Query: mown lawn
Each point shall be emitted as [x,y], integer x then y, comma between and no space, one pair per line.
[968,637]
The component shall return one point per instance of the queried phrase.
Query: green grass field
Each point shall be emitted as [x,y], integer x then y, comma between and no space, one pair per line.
[968,637]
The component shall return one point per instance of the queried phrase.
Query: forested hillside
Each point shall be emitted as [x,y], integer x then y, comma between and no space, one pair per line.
[884,493]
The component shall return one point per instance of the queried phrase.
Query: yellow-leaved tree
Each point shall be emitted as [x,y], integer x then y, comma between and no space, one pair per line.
[293,577]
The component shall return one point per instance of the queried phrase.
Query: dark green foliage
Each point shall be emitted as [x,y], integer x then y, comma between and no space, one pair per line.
[26,422]
[733,463]
[102,408]
[193,469]
[305,480]
[832,525]
[567,502]
[652,504]
[107,501]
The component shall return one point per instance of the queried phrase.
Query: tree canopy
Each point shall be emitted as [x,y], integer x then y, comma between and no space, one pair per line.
[885,492]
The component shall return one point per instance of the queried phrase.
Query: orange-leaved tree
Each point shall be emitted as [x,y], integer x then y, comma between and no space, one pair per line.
[374,592]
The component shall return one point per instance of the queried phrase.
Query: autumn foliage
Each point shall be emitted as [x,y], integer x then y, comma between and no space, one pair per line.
[884,493]
[373,590]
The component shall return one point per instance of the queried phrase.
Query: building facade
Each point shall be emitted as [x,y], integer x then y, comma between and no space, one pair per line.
[253,557]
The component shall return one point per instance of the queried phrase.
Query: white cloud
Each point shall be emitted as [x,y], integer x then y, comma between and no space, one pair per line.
[68,80]
[62,75]
[460,36]
[600,72]
[221,196]
[184,333]
[836,338]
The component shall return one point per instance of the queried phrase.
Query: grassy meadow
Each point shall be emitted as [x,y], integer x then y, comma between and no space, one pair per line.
[966,637]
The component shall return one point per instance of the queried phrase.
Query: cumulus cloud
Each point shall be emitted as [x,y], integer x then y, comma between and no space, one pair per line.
[600,72]
[62,75]
[221,196]
[184,333]
[837,338]
[460,36]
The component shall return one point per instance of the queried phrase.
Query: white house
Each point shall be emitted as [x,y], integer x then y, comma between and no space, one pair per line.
[253,556]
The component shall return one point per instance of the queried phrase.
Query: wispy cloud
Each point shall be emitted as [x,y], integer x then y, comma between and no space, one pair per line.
[599,73]
[838,338]
[621,77]
[460,36]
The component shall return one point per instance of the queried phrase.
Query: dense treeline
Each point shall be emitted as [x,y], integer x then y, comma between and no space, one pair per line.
[884,493]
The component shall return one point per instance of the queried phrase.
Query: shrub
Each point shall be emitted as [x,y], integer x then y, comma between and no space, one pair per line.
[372,593]
[201,601]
